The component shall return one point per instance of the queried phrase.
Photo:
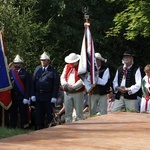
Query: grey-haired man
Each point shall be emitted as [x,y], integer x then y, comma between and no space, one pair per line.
[127,83]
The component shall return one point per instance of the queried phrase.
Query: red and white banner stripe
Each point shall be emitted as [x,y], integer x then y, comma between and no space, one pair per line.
[87,70]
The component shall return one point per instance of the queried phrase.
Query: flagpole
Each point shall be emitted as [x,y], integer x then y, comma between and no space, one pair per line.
[3,117]
[86,16]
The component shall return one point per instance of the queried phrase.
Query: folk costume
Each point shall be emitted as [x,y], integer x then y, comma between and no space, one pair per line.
[100,91]
[128,79]
[73,88]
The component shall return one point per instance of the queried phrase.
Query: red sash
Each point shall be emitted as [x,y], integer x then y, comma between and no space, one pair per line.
[68,71]
[21,88]
[18,81]
[146,98]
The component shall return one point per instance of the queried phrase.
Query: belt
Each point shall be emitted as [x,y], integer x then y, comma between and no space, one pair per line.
[42,91]
[122,94]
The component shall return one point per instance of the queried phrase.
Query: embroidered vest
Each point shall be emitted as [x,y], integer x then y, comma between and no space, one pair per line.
[102,89]
[130,80]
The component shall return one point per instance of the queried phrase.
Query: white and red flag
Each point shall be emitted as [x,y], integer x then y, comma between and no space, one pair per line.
[88,70]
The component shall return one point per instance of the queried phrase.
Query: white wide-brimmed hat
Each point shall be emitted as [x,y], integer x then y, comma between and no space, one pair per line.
[18,59]
[44,56]
[72,58]
[99,56]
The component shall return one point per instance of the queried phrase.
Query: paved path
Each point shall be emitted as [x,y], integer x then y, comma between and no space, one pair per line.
[118,131]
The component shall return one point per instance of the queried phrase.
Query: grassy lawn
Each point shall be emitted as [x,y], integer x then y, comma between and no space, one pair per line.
[5,132]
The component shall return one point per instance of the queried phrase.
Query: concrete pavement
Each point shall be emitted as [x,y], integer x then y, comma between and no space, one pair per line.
[118,131]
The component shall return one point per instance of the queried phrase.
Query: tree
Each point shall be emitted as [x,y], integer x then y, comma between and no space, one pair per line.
[133,20]
[57,26]
[23,35]
[131,28]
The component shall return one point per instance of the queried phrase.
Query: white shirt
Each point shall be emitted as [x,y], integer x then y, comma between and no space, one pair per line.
[45,68]
[105,77]
[18,70]
[71,79]
[133,88]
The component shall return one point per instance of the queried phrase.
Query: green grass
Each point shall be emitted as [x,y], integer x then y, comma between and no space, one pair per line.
[5,132]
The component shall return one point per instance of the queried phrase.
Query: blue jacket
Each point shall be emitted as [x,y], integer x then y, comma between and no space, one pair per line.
[45,85]
[26,80]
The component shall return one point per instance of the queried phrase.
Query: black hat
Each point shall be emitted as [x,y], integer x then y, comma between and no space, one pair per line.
[127,53]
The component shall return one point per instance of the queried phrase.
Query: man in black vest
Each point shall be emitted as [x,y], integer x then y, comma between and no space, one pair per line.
[126,84]
[100,91]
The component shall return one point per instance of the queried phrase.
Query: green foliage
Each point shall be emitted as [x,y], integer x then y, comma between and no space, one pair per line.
[133,21]
[23,34]
[57,26]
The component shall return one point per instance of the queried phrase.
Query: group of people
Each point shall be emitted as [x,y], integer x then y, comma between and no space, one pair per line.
[39,91]
[45,86]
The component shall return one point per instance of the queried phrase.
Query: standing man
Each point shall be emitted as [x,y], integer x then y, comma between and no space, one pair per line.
[100,91]
[21,83]
[45,87]
[126,84]
[73,88]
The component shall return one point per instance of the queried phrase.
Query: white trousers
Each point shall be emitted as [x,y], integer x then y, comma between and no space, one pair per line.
[98,104]
[73,101]
[123,102]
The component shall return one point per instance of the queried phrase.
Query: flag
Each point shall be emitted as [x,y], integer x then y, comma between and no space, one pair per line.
[5,83]
[5,99]
[88,70]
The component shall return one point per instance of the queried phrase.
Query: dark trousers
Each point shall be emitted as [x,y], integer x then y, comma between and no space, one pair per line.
[19,108]
[42,109]
[4,120]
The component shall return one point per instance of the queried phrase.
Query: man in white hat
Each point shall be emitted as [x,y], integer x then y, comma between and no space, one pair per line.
[127,83]
[45,87]
[73,88]
[100,91]
[21,83]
